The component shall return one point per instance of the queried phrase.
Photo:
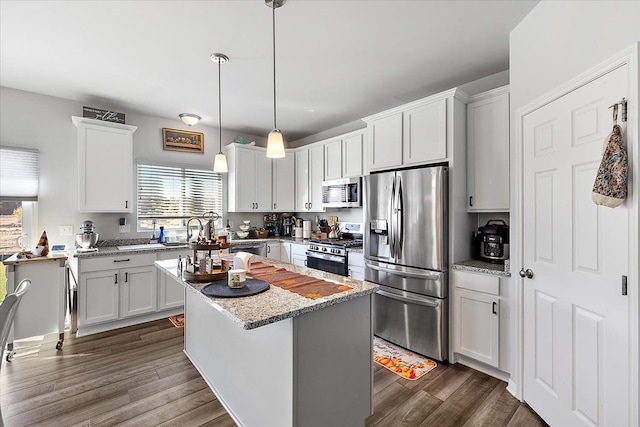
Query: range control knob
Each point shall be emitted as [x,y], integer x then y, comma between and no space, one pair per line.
[324,249]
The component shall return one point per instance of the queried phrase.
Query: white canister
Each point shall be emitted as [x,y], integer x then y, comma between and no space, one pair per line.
[297,232]
[237,278]
[306,229]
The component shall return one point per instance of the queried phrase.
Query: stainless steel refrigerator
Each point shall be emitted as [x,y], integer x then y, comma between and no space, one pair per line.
[405,248]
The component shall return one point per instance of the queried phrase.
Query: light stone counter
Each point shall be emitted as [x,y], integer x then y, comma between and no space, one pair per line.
[483,267]
[276,303]
[278,359]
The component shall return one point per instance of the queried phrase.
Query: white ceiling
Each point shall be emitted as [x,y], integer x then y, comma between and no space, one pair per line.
[337,61]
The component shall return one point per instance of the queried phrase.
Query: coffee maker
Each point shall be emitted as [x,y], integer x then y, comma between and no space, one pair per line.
[273,224]
[287,225]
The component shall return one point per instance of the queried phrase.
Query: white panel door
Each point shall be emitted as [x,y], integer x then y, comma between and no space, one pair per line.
[576,321]
[352,156]
[316,176]
[478,332]
[333,159]
[386,142]
[262,182]
[302,180]
[425,133]
[139,291]
[284,184]
[98,296]
[245,180]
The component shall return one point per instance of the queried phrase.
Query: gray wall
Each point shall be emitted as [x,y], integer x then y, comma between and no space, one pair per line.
[42,122]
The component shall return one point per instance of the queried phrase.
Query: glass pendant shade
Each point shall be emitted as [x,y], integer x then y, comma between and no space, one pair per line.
[220,163]
[275,145]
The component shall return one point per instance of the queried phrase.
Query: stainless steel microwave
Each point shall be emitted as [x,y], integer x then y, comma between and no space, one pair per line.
[342,193]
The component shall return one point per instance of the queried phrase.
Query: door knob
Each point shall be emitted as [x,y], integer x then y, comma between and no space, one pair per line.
[528,273]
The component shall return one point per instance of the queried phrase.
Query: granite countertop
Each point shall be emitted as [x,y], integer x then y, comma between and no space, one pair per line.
[272,239]
[276,303]
[113,250]
[483,267]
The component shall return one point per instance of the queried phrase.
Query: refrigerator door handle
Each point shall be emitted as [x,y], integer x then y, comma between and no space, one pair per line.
[426,275]
[429,302]
[392,225]
[400,218]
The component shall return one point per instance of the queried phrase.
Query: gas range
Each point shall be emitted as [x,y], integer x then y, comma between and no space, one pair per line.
[333,246]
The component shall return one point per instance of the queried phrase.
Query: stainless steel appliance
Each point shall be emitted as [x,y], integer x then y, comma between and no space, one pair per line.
[273,224]
[257,248]
[87,238]
[331,255]
[287,225]
[405,249]
[491,243]
[342,193]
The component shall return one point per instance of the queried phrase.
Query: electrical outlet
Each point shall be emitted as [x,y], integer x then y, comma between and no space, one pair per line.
[125,228]
[66,230]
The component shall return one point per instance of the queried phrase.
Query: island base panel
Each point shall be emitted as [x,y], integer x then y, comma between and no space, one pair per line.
[310,370]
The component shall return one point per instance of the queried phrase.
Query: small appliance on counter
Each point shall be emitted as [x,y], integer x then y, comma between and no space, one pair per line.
[87,238]
[273,224]
[491,243]
[287,225]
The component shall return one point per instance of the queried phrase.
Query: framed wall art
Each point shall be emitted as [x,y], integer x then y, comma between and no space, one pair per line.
[182,140]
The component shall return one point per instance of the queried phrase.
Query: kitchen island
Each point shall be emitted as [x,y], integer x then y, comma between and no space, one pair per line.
[283,359]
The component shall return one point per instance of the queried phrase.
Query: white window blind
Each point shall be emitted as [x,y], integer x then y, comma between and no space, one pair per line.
[19,174]
[166,192]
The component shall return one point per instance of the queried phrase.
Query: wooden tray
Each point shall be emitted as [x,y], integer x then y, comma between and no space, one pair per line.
[204,277]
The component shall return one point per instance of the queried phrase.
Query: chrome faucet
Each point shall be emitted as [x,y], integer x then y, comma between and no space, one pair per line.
[189,235]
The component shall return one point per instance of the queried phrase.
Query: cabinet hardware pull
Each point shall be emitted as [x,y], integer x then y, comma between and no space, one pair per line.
[268,249]
[495,308]
[122,260]
[256,206]
[126,204]
[624,285]
[470,200]
[126,277]
[116,278]
[274,206]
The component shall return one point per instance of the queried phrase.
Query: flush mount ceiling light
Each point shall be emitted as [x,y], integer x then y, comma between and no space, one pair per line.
[190,119]
[275,143]
[220,162]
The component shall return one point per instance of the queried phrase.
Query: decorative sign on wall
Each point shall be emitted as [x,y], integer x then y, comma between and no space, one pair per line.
[105,115]
[182,140]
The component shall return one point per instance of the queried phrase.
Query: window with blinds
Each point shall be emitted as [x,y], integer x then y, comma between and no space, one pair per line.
[19,174]
[171,195]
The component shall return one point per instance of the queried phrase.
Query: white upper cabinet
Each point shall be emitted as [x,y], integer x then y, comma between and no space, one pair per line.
[412,134]
[425,133]
[352,155]
[343,156]
[284,183]
[105,165]
[385,135]
[309,176]
[249,179]
[488,151]
[333,159]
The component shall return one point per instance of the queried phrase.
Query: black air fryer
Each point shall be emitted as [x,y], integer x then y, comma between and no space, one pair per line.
[491,243]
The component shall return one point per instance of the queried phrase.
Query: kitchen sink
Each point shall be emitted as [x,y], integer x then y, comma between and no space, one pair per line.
[138,247]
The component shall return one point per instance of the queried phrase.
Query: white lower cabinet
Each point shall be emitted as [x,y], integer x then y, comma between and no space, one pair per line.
[356,265]
[285,252]
[273,250]
[299,254]
[138,292]
[476,331]
[170,293]
[113,289]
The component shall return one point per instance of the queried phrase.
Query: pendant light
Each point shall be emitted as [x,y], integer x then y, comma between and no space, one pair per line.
[220,162]
[275,143]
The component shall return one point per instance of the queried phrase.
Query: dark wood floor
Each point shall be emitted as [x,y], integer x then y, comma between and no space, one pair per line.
[139,376]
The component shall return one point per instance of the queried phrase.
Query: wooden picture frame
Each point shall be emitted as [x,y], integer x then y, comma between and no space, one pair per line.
[182,140]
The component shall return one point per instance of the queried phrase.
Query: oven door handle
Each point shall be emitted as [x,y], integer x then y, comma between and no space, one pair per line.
[410,300]
[327,257]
